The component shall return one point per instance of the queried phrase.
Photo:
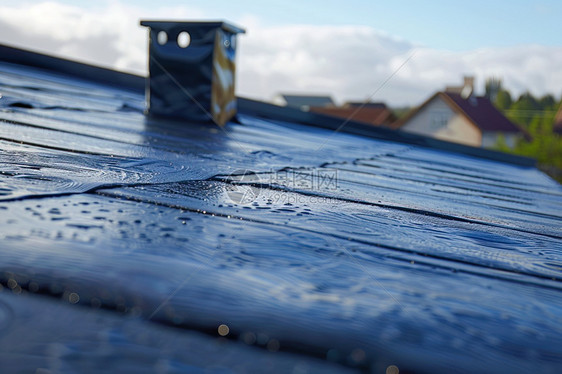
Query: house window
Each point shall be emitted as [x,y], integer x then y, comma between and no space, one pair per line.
[439,120]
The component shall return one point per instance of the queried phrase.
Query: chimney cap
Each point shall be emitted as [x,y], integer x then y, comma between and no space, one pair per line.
[191,70]
[167,25]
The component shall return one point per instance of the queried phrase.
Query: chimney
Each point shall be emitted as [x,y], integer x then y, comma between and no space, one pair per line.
[468,87]
[191,70]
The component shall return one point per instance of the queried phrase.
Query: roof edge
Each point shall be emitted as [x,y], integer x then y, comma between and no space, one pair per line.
[81,70]
[275,112]
[401,121]
[136,83]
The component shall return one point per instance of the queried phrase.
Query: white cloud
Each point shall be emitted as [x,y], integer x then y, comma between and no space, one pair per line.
[353,62]
[349,62]
[108,34]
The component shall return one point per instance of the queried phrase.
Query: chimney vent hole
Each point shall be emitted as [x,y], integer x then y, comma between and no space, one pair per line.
[184,39]
[162,38]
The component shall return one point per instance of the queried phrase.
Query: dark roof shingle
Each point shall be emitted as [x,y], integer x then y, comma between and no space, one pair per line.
[483,113]
[355,251]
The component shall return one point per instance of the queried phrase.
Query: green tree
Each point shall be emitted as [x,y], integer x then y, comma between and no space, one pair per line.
[545,146]
[547,102]
[524,109]
[537,117]
[503,100]
[493,87]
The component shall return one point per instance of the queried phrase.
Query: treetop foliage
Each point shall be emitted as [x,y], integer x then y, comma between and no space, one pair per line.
[536,116]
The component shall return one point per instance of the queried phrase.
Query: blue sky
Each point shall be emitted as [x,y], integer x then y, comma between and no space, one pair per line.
[342,48]
[451,25]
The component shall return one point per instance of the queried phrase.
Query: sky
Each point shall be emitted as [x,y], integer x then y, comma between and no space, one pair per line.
[399,52]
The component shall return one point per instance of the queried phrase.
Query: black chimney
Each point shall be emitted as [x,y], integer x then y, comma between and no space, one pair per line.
[192,70]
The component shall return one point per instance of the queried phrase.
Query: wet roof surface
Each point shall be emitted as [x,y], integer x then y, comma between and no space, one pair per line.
[338,253]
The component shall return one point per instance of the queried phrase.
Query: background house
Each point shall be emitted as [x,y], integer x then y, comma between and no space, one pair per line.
[457,115]
[303,102]
[377,114]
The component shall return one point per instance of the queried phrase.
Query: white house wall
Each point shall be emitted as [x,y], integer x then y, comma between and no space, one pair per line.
[279,100]
[490,139]
[438,120]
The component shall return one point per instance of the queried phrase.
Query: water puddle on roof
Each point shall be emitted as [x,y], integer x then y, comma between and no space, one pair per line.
[252,270]
[28,171]
[394,232]
[282,237]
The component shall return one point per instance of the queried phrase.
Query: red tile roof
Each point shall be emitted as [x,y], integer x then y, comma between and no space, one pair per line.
[378,116]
